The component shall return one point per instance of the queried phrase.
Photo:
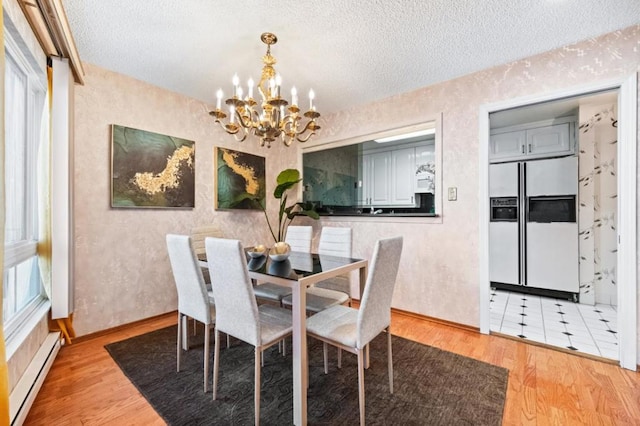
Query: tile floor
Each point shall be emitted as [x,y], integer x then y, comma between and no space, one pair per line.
[583,328]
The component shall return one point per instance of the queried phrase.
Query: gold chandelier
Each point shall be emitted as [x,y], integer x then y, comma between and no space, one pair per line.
[273,117]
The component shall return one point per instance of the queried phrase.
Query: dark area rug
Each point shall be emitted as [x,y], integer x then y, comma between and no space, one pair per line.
[431,386]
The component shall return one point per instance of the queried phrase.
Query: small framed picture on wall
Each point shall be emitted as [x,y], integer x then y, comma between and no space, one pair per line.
[240,180]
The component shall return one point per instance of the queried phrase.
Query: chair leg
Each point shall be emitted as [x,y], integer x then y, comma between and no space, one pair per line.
[390,359]
[366,356]
[339,358]
[325,357]
[257,386]
[184,323]
[207,345]
[216,358]
[361,384]
[284,347]
[228,341]
[262,358]
[195,327]
[179,342]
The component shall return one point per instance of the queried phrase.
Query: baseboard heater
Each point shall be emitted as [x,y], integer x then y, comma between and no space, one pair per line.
[26,390]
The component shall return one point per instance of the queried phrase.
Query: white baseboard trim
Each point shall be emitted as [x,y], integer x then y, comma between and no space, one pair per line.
[25,392]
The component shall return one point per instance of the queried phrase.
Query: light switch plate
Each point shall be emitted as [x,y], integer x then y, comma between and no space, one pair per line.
[453,193]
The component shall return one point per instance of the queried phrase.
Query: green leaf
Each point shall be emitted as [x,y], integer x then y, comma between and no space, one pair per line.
[286,179]
[310,213]
[288,176]
[283,187]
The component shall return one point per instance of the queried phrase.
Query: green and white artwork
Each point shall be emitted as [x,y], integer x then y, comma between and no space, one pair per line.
[151,170]
[240,180]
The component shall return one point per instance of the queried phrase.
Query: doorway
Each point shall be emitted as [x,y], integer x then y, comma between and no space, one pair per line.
[626,254]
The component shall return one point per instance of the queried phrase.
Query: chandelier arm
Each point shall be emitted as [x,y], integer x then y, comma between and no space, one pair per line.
[290,123]
[226,127]
[309,126]
[302,140]
[241,120]
[244,136]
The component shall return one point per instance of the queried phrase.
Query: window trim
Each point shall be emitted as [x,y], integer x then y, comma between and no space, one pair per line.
[17,328]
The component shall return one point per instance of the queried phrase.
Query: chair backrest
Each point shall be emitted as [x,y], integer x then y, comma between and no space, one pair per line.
[374,314]
[199,233]
[193,299]
[299,238]
[236,307]
[335,241]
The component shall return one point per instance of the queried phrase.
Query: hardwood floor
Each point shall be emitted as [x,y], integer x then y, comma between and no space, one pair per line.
[546,387]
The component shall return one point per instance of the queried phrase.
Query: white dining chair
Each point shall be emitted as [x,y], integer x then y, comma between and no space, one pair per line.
[193,298]
[237,312]
[353,329]
[198,234]
[299,239]
[334,241]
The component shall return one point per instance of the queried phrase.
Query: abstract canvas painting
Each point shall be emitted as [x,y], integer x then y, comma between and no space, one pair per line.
[150,170]
[240,180]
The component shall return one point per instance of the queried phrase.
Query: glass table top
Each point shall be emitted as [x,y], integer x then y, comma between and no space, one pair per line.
[298,265]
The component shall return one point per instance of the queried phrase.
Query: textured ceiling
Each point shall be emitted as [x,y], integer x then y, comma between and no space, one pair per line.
[349,52]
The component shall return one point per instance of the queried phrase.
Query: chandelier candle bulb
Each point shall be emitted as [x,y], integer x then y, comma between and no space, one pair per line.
[219,95]
[294,96]
[311,96]
[236,81]
[278,84]
[272,87]
[232,113]
[250,85]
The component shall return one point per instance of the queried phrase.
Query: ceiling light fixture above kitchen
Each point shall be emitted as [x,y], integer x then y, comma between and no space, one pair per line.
[273,117]
[403,136]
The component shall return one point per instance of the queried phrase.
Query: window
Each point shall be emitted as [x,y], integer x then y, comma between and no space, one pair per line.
[384,174]
[24,97]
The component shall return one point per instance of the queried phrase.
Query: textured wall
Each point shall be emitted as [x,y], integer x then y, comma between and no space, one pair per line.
[439,267]
[121,271]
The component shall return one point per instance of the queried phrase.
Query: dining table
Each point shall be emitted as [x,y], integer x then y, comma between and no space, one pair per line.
[299,271]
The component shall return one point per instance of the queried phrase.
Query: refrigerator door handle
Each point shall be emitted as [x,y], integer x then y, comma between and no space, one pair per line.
[522,221]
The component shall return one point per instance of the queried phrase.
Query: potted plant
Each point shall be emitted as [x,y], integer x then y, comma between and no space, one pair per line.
[286,180]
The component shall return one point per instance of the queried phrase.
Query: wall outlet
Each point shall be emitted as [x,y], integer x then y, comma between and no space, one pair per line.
[453,193]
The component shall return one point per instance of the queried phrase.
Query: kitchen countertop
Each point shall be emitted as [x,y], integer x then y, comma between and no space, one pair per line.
[379,214]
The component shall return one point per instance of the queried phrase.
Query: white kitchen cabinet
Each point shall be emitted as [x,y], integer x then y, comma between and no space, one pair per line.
[507,145]
[388,179]
[403,177]
[535,140]
[376,175]
[549,140]
[380,190]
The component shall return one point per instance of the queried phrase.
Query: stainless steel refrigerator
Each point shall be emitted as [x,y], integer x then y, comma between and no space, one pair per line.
[533,233]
